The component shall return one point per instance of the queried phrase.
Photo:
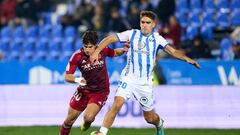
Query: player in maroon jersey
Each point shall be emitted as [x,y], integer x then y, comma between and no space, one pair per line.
[93,89]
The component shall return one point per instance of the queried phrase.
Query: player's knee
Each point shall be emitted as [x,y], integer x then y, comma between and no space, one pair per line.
[69,122]
[89,118]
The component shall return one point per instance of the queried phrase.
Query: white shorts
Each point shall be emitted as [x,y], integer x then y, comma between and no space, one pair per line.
[142,93]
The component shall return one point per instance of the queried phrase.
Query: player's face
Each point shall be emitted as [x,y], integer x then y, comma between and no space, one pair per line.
[89,49]
[147,25]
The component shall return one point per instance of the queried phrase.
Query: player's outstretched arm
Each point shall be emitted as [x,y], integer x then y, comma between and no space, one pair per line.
[175,53]
[103,44]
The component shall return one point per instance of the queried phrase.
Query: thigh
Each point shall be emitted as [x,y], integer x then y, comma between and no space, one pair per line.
[98,98]
[124,90]
[144,95]
[92,110]
[79,100]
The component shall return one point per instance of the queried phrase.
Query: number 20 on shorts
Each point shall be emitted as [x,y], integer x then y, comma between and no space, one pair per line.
[123,85]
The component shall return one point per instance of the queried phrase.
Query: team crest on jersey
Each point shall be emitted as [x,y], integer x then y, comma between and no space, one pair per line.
[141,45]
[143,100]
[151,39]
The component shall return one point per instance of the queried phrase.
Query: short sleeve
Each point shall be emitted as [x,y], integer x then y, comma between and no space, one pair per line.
[108,52]
[162,41]
[72,64]
[124,36]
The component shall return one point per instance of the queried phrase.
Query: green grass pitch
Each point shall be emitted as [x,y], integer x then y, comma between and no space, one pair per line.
[53,130]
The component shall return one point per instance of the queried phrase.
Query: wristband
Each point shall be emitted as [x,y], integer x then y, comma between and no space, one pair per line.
[78,80]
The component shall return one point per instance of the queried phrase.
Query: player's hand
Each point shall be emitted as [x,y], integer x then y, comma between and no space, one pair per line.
[94,57]
[81,81]
[193,62]
[126,46]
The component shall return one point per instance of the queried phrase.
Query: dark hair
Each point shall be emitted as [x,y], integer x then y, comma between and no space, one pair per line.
[149,14]
[90,37]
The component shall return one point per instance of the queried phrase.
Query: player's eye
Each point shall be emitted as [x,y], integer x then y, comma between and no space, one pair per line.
[145,22]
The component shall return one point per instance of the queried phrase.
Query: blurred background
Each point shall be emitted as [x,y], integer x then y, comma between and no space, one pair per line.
[38,37]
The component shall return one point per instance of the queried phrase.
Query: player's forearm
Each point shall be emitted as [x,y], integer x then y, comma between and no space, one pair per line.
[179,56]
[105,42]
[69,78]
[119,51]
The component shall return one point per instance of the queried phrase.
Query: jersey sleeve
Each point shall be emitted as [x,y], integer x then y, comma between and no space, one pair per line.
[162,41]
[72,64]
[108,52]
[124,36]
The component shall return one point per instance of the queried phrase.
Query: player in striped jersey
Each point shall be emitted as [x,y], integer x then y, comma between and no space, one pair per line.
[136,77]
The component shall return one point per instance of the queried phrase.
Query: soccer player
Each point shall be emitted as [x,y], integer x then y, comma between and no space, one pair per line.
[136,77]
[93,87]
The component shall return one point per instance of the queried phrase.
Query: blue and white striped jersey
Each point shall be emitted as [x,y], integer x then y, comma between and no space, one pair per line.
[141,55]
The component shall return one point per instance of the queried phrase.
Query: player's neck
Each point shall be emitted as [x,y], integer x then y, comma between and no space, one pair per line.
[147,34]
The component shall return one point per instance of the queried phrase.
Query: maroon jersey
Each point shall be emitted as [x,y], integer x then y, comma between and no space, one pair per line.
[95,74]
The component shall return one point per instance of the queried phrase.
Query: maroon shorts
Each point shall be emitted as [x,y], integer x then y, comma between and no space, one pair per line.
[81,98]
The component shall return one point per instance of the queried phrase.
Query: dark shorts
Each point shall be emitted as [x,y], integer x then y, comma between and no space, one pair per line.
[81,98]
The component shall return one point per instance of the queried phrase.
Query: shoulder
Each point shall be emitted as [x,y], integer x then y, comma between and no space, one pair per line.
[77,55]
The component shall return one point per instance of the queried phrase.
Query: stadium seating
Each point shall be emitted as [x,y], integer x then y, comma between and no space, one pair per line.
[209,6]
[225,49]
[222,20]
[16,49]
[235,5]
[223,6]
[182,6]
[67,49]
[41,50]
[196,6]
[191,32]
[206,32]
[208,19]
[54,49]
[194,20]
[28,50]
[235,18]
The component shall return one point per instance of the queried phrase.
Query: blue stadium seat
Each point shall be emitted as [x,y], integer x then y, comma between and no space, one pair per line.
[54,49]
[207,32]
[209,6]
[5,48]
[222,20]
[223,6]
[182,6]
[225,49]
[191,32]
[196,6]
[41,49]
[78,44]
[235,18]
[208,19]
[19,34]
[16,50]
[32,31]
[44,31]
[235,5]
[194,20]
[67,49]
[182,19]
[70,32]
[47,17]
[29,49]
[57,32]
[6,34]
